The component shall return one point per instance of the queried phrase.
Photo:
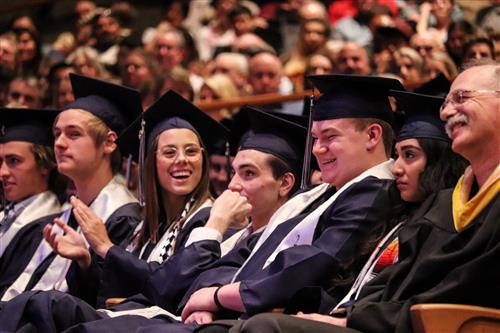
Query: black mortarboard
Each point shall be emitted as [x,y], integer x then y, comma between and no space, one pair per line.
[117,106]
[30,125]
[421,116]
[261,131]
[438,86]
[171,111]
[353,96]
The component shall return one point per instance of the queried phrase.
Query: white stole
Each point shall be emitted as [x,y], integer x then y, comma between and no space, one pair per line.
[155,253]
[112,197]
[303,232]
[44,204]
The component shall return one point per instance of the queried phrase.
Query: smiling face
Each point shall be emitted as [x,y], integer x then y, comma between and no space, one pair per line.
[473,124]
[339,148]
[409,164]
[21,177]
[179,161]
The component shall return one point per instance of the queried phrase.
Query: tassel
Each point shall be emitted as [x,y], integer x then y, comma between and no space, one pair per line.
[306,167]
[142,153]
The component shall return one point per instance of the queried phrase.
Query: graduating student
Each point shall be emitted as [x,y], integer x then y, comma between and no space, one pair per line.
[177,196]
[449,253]
[86,152]
[425,164]
[321,228]
[268,162]
[29,181]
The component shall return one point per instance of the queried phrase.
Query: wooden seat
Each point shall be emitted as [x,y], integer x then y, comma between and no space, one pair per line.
[454,318]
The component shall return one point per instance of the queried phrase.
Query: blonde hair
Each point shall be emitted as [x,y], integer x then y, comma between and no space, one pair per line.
[224,88]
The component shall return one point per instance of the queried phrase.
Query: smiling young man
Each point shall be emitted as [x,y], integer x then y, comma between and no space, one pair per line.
[268,162]
[86,152]
[447,252]
[28,175]
[318,229]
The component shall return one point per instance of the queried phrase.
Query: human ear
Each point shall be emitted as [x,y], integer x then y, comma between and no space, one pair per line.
[287,182]
[374,133]
[110,144]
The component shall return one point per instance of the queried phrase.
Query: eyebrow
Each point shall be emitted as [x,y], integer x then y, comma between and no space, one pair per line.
[406,147]
[242,166]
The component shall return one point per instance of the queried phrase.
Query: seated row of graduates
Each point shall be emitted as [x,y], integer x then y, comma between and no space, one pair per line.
[321,236]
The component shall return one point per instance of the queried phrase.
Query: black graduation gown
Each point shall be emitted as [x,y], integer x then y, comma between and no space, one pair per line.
[120,227]
[21,250]
[124,274]
[364,208]
[437,265]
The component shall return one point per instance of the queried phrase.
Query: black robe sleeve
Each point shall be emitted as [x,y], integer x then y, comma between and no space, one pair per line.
[124,274]
[222,271]
[20,251]
[438,266]
[85,284]
[343,229]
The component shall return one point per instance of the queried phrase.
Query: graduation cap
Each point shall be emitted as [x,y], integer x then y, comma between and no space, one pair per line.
[261,131]
[29,125]
[438,86]
[421,116]
[117,106]
[353,96]
[171,110]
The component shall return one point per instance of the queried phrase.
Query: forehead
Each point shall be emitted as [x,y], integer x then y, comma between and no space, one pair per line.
[341,124]
[479,77]
[15,148]
[73,117]
[251,157]
[265,61]
[177,136]
[408,142]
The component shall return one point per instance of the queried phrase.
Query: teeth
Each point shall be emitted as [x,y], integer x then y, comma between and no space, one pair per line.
[180,174]
[454,122]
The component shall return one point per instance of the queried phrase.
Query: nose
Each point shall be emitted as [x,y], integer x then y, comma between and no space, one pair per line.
[59,141]
[397,170]
[234,184]
[447,112]
[318,148]
[4,170]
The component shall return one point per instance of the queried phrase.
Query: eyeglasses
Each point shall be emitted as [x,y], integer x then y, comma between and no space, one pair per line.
[459,97]
[191,153]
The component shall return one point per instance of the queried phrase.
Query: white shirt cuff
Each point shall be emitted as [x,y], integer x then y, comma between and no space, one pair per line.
[203,233]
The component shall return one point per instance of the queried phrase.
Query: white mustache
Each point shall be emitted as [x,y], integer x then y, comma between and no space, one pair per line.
[456,119]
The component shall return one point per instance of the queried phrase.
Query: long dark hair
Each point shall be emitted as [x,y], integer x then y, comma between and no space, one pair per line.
[153,212]
[442,169]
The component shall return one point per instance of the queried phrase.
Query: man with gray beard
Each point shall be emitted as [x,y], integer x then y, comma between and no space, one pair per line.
[449,250]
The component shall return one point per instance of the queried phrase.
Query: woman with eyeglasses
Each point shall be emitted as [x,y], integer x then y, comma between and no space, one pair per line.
[177,201]
[424,165]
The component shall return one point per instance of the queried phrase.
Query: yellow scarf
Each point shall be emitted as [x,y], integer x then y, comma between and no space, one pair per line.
[465,210]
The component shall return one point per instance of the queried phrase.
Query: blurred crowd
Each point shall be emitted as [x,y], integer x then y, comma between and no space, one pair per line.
[221,49]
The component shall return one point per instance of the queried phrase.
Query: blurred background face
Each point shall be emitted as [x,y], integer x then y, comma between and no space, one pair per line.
[219,178]
[313,36]
[82,66]
[26,47]
[478,51]
[265,74]
[352,59]
[168,51]
[107,29]
[319,64]
[135,72]
[8,51]
[22,93]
